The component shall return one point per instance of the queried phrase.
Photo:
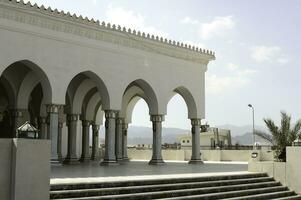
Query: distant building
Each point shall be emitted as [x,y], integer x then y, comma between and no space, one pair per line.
[210,138]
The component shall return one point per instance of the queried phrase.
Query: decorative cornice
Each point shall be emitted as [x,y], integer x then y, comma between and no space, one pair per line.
[89,28]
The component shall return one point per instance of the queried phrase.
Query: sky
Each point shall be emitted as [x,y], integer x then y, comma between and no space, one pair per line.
[257,45]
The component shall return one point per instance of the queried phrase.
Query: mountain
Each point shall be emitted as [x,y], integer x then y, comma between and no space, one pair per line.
[143,135]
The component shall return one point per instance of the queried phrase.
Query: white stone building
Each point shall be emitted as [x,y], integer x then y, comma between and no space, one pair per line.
[65,73]
[210,139]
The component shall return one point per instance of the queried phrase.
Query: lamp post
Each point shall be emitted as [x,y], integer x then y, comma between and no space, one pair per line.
[250,105]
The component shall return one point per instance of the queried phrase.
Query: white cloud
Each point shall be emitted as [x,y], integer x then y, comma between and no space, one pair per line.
[216,27]
[269,54]
[232,66]
[131,19]
[188,20]
[238,78]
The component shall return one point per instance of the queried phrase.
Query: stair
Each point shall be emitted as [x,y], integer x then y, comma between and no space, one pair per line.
[234,187]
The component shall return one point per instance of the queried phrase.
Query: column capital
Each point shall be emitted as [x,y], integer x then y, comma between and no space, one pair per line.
[195,122]
[95,127]
[53,108]
[43,120]
[16,113]
[125,125]
[119,120]
[157,118]
[72,117]
[60,124]
[110,113]
[86,122]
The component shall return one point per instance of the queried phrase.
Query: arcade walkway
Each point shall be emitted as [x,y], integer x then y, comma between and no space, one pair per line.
[94,172]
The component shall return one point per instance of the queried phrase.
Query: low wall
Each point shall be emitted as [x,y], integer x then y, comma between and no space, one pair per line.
[25,169]
[288,173]
[207,155]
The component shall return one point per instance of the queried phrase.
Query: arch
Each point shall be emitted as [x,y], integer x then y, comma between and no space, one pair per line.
[91,106]
[17,72]
[10,92]
[189,100]
[80,85]
[140,88]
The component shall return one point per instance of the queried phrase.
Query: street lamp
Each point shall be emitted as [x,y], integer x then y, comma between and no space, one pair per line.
[250,105]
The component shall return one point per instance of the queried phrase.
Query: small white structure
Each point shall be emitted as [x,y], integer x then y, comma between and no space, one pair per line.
[212,138]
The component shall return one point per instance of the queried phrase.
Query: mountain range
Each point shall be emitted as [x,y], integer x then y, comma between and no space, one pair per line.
[143,135]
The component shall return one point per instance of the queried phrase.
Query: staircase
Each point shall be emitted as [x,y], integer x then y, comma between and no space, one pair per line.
[234,187]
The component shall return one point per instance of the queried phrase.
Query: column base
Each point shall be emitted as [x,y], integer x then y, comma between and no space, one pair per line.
[71,161]
[94,158]
[125,159]
[195,161]
[108,163]
[54,161]
[156,162]
[84,159]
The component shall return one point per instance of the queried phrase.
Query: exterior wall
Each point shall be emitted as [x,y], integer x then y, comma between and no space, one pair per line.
[288,173]
[5,166]
[185,154]
[26,170]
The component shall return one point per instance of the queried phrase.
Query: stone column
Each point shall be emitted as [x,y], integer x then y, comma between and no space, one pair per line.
[157,140]
[53,128]
[124,142]
[118,139]
[43,128]
[85,141]
[71,157]
[17,120]
[59,142]
[95,142]
[195,139]
[110,156]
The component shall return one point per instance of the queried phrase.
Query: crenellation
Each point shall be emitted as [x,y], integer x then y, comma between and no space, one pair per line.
[46,23]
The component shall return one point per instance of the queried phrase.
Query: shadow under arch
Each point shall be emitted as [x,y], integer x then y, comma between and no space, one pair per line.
[17,71]
[76,81]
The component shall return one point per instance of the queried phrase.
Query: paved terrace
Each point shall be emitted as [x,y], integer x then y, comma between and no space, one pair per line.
[135,170]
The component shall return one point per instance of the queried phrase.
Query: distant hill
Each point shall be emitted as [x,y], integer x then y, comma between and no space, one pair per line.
[143,135]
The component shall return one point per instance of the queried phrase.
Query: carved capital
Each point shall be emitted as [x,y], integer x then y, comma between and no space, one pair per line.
[157,118]
[125,126]
[60,125]
[110,113]
[16,113]
[119,121]
[43,120]
[95,127]
[86,123]
[196,122]
[53,108]
[72,117]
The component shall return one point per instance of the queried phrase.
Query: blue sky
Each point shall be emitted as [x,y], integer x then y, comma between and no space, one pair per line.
[257,45]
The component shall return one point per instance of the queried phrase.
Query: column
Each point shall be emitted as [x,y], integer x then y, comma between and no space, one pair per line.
[53,117]
[157,140]
[124,141]
[85,141]
[59,142]
[118,139]
[95,142]
[43,128]
[110,156]
[71,157]
[195,139]
[17,119]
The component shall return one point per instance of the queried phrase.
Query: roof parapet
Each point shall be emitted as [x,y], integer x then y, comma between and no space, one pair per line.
[112,27]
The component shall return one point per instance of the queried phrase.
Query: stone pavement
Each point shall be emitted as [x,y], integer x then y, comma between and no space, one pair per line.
[93,172]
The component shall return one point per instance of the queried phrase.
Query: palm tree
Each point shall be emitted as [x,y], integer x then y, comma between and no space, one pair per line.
[281,136]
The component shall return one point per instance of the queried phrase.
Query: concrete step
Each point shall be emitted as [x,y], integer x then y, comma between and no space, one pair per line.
[204,193]
[262,181]
[272,195]
[294,197]
[243,194]
[71,186]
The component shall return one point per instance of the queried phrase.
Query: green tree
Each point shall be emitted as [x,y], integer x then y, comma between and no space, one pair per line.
[282,136]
